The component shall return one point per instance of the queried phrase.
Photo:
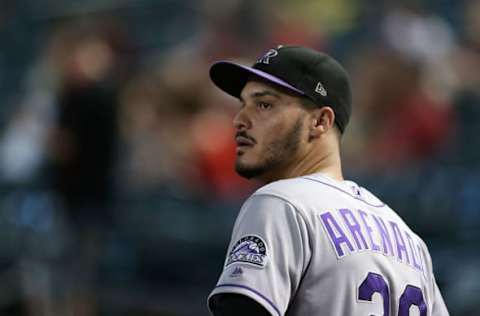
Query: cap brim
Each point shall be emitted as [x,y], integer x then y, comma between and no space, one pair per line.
[232,77]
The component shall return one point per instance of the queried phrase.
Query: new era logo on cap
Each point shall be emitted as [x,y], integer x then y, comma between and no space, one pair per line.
[320,89]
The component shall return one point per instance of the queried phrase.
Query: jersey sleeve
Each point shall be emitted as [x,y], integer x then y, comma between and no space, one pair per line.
[439,307]
[267,255]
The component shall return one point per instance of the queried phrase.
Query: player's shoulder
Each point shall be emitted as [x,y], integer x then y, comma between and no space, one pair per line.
[320,188]
[271,202]
[285,193]
[288,190]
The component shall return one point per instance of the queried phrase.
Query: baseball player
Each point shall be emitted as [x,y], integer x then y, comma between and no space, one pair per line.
[310,242]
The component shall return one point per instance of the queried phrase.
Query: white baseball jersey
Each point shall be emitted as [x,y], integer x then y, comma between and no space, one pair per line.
[316,246]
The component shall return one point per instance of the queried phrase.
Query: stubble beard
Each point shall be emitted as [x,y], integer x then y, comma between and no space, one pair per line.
[277,154]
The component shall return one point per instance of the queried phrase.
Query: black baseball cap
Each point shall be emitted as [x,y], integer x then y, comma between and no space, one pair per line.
[301,70]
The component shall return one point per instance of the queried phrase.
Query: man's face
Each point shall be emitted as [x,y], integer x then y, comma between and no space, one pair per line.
[270,131]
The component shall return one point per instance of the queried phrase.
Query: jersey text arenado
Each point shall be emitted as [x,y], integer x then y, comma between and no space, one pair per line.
[362,231]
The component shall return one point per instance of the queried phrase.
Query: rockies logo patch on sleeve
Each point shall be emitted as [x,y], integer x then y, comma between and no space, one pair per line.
[249,249]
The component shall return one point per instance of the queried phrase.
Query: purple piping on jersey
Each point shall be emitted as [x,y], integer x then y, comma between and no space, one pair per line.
[254,291]
[343,191]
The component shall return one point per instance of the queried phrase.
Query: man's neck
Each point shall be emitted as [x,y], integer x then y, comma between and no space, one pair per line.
[327,163]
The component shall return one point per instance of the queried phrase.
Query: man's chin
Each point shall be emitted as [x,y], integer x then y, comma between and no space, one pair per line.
[249,172]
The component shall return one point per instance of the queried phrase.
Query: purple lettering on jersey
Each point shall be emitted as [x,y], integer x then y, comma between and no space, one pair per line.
[401,247]
[354,227]
[363,216]
[420,255]
[383,232]
[337,238]
[416,265]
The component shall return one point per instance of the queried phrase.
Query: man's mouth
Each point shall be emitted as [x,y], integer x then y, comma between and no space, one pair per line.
[243,142]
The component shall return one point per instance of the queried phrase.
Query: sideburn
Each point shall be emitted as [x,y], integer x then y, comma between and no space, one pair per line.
[282,150]
[278,154]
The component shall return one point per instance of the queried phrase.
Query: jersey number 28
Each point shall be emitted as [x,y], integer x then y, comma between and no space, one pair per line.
[375,283]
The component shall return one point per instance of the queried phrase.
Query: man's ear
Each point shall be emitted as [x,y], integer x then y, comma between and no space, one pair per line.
[321,121]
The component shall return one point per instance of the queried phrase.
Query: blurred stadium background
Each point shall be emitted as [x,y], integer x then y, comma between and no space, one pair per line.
[117,195]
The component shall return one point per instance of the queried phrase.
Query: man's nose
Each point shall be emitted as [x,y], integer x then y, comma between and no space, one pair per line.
[242,120]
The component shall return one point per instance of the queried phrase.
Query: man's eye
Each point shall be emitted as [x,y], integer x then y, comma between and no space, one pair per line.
[264,105]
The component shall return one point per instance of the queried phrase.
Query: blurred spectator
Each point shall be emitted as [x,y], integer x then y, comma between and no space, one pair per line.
[81,162]
[233,28]
[83,140]
[401,125]
[64,134]
[313,22]
[467,98]
[174,110]
[419,35]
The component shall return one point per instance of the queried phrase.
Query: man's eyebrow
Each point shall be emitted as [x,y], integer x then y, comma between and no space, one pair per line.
[262,94]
